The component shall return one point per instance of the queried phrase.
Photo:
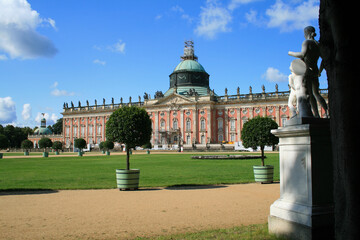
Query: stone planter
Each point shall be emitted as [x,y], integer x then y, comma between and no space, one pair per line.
[45,154]
[108,153]
[80,154]
[264,174]
[26,153]
[56,152]
[1,155]
[127,179]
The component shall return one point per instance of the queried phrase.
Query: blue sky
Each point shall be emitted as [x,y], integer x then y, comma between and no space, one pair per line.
[59,51]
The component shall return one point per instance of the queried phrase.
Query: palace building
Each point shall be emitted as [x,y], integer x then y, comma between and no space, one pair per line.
[189,113]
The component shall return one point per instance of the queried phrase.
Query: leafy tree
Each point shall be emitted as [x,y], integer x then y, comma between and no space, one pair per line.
[131,126]
[57,145]
[4,141]
[80,143]
[58,126]
[27,144]
[108,145]
[256,132]
[15,135]
[45,143]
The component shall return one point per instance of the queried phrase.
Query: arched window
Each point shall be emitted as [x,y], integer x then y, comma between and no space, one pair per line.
[162,124]
[175,124]
[202,124]
[232,124]
[220,123]
[188,124]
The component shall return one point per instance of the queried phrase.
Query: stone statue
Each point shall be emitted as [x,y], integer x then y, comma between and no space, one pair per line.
[300,90]
[95,102]
[310,53]
[103,101]
[146,96]
[238,91]
[87,102]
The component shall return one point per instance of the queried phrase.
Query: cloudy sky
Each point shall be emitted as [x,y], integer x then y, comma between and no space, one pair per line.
[59,51]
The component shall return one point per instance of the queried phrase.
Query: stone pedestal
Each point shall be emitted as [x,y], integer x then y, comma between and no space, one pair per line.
[305,207]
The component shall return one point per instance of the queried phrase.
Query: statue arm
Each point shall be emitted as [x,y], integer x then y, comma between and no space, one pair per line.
[301,54]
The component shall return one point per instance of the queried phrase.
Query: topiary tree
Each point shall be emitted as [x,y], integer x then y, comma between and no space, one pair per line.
[256,132]
[26,145]
[57,145]
[80,143]
[131,126]
[45,143]
[108,145]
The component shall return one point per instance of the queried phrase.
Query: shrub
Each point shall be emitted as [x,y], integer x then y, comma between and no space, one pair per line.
[80,143]
[57,145]
[45,143]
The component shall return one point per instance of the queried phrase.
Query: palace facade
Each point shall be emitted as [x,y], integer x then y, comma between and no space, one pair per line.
[188,113]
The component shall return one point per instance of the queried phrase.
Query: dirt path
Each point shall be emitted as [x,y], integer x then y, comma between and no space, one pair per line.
[113,214]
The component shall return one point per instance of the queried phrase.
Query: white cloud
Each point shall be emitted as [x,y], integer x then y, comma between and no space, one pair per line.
[18,35]
[118,47]
[214,19]
[50,119]
[236,3]
[3,57]
[274,75]
[26,112]
[7,110]
[58,93]
[290,17]
[97,61]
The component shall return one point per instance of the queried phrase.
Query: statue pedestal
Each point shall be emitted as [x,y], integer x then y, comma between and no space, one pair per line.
[305,207]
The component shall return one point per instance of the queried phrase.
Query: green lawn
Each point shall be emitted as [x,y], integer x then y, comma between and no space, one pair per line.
[98,172]
[251,232]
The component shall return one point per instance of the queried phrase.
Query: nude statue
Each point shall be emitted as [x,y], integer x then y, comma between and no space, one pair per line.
[310,54]
[300,90]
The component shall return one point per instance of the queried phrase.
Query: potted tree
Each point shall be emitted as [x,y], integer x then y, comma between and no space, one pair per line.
[101,147]
[4,143]
[132,127]
[80,143]
[26,145]
[108,145]
[256,132]
[57,145]
[45,143]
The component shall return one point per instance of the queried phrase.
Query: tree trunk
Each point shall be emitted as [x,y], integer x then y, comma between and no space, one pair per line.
[127,158]
[262,156]
[337,23]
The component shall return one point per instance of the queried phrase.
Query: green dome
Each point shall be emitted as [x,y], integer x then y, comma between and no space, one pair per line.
[189,65]
[42,131]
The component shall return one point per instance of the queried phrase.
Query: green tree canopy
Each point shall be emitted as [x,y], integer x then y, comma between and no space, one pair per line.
[4,141]
[129,125]
[27,144]
[80,143]
[256,132]
[15,135]
[57,145]
[108,145]
[58,126]
[45,143]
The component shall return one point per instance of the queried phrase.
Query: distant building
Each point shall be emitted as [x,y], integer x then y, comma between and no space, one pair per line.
[189,113]
[43,131]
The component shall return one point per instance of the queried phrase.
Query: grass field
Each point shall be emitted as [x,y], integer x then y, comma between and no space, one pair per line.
[98,172]
[251,232]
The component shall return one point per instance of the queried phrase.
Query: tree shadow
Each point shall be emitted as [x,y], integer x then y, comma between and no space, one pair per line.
[7,192]
[193,187]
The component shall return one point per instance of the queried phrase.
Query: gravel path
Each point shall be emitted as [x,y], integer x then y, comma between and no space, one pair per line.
[114,214]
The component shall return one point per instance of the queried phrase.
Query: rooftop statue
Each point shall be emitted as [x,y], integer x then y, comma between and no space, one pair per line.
[310,54]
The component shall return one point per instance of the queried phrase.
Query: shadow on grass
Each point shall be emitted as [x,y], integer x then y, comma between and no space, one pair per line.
[6,192]
[193,187]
